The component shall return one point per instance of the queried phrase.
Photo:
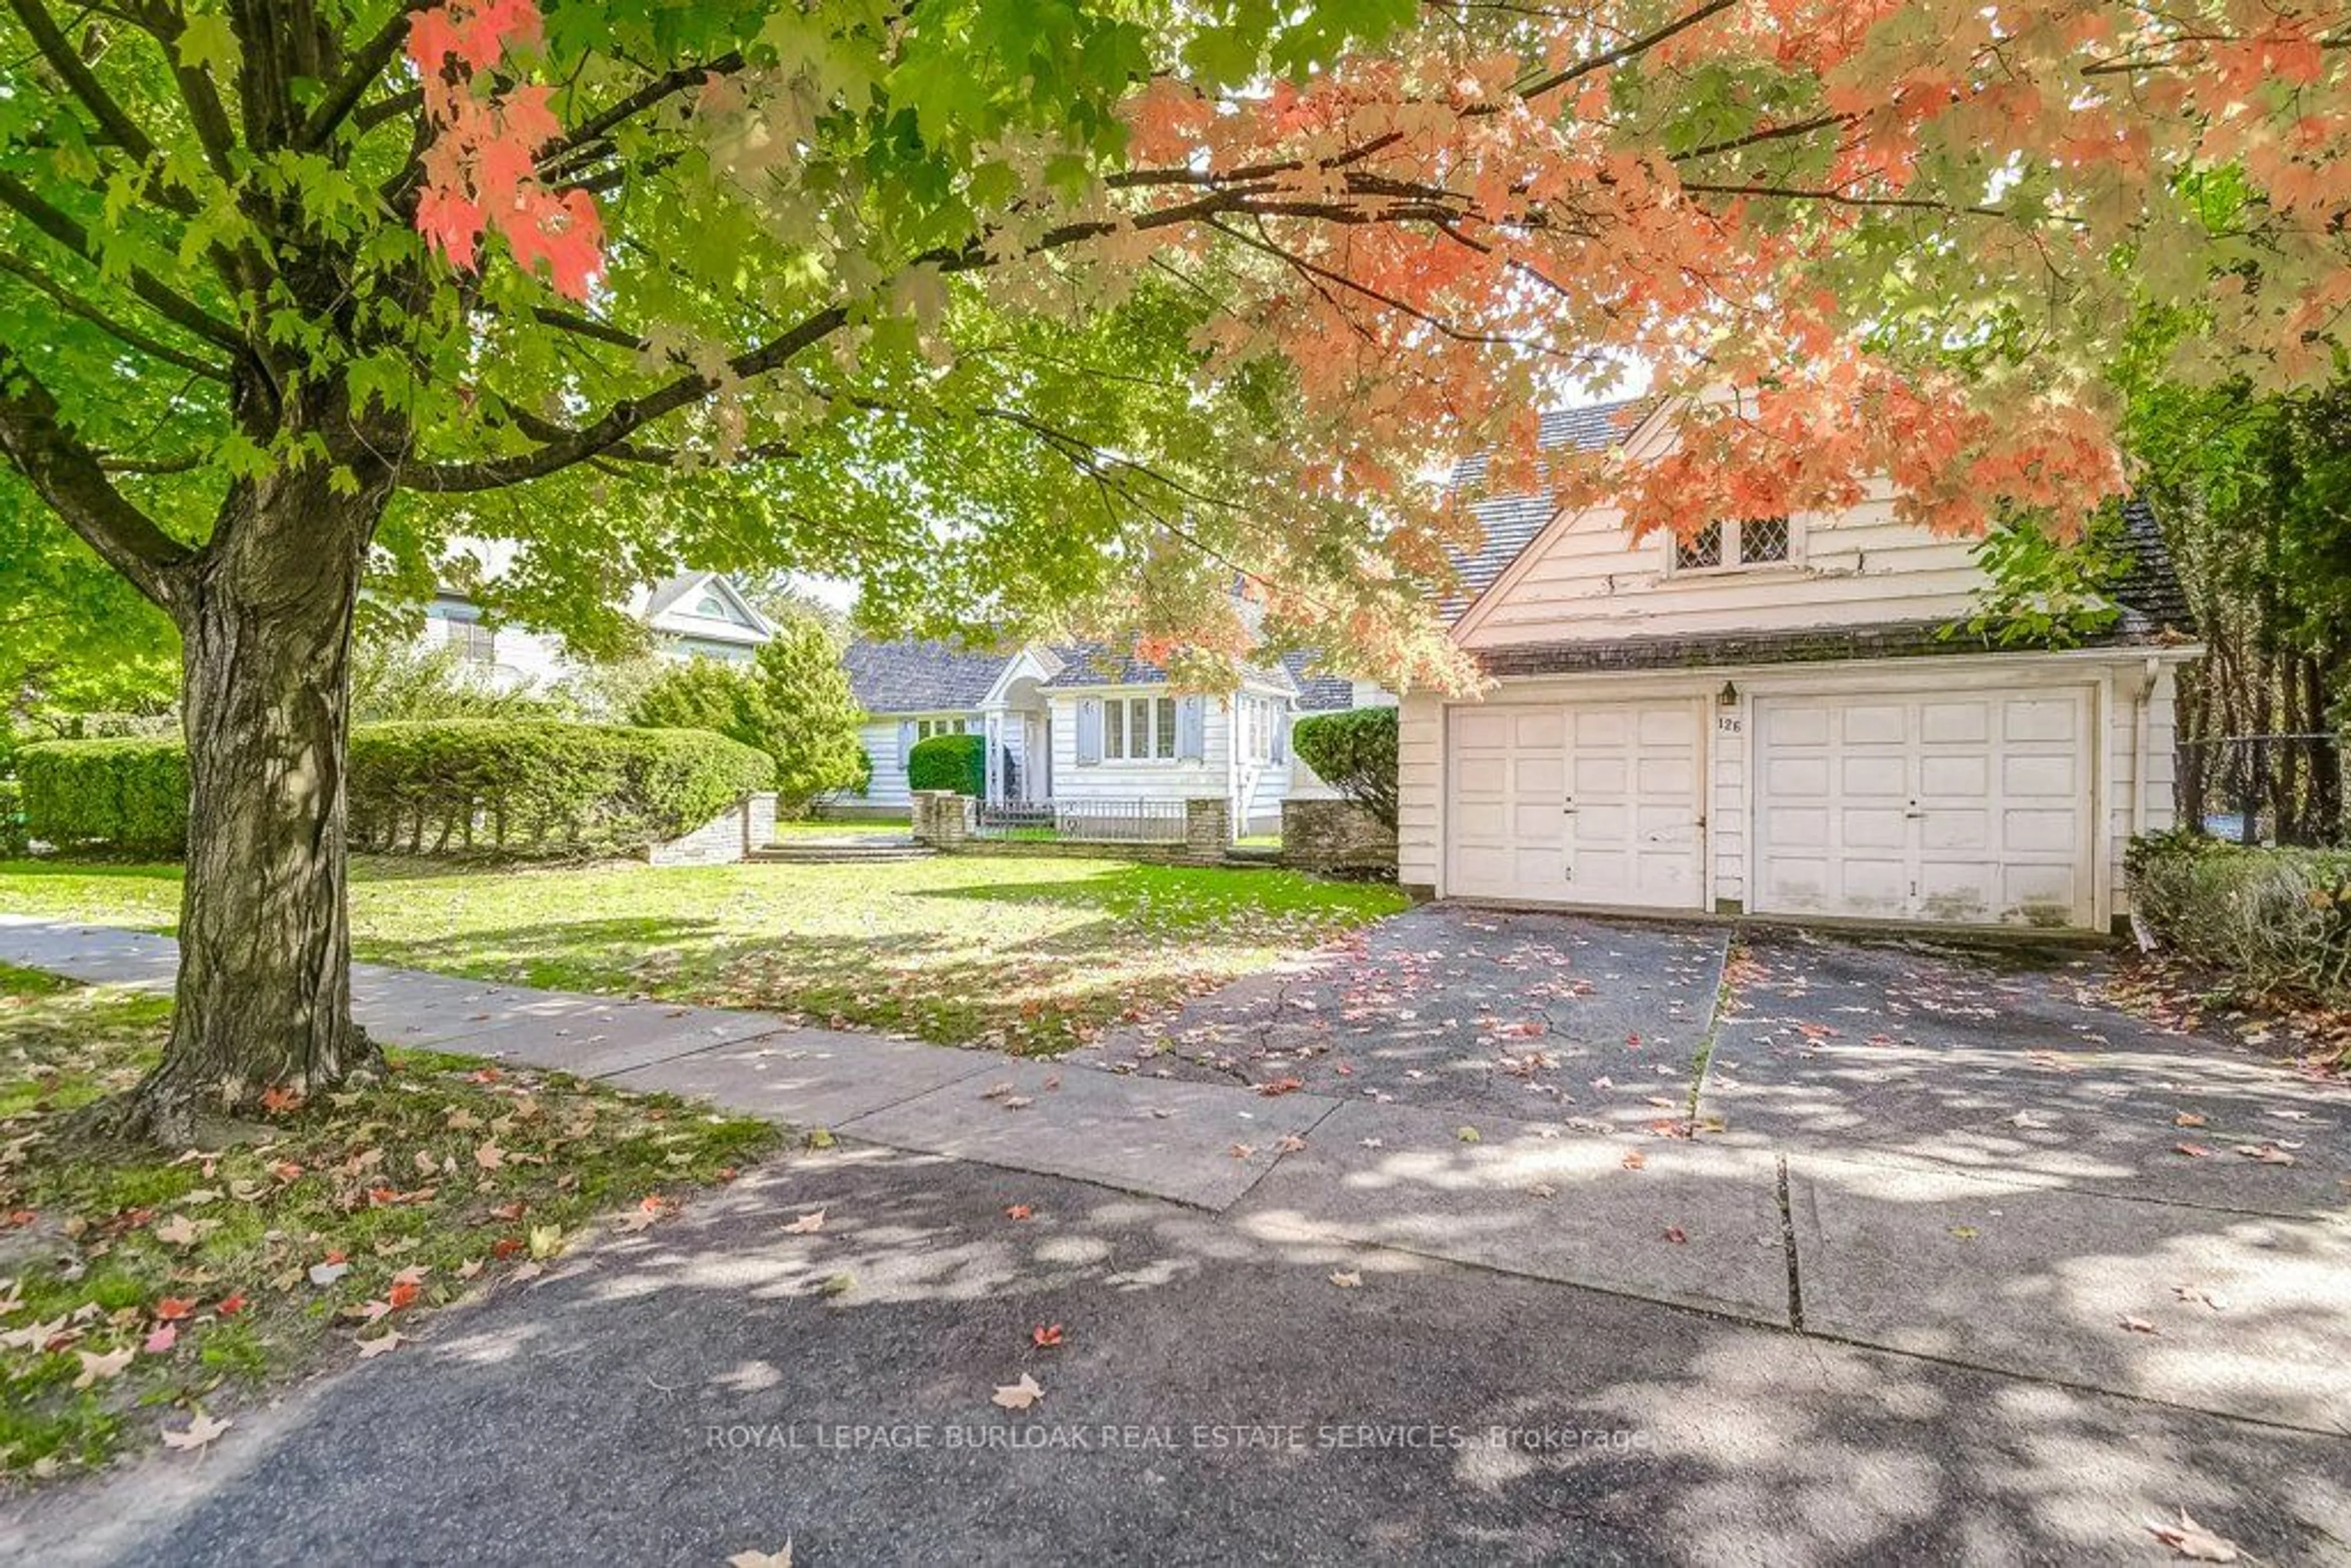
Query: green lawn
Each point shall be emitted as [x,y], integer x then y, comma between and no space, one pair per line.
[1031,954]
[146,1291]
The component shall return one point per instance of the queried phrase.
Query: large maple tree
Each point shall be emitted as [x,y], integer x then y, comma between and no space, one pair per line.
[1005,306]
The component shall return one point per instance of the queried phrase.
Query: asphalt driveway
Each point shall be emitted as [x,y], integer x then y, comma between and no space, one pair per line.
[1489,1237]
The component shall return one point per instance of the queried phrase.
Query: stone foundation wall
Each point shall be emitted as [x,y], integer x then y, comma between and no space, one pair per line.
[726,839]
[1334,835]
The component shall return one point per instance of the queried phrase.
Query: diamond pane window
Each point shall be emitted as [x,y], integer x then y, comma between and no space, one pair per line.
[1701,549]
[1762,540]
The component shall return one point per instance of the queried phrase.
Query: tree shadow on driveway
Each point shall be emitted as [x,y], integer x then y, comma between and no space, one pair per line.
[718,1383]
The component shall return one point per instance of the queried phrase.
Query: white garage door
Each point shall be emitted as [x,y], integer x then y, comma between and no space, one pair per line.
[1596,804]
[1970,810]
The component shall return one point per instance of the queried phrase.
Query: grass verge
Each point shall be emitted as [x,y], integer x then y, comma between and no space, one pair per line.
[145,1296]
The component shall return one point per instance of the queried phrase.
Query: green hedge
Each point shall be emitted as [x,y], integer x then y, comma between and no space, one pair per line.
[1354,752]
[429,787]
[2275,921]
[130,795]
[956,762]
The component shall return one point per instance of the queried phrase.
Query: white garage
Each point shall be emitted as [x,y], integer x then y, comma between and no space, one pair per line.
[1964,808]
[1960,796]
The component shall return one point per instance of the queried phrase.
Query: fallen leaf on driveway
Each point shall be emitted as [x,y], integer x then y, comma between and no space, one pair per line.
[1346,1280]
[1019,1211]
[95,1367]
[1280,1086]
[2189,1119]
[1675,1234]
[1045,1336]
[371,1348]
[2193,1541]
[806,1223]
[2198,1296]
[1467,1135]
[1542,1189]
[2138,1326]
[762,1559]
[1243,1151]
[2193,1151]
[997,1090]
[1291,1144]
[2268,1154]
[199,1432]
[1634,1160]
[1964,1232]
[1017,1102]
[1019,1396]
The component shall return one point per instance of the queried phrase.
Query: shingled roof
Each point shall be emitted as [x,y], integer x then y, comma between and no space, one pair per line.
[1101,664]
[920,676]
[1317,692]
[1511,522]
[2151,584]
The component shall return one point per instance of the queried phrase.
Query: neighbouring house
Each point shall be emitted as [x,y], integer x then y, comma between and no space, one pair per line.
[1085,726]
[1770,718]
[695,614]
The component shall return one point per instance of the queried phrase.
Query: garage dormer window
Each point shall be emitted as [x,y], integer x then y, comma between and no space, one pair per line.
[1736,542]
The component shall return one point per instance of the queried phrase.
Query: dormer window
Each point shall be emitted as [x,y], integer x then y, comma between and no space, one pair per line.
[1736,542]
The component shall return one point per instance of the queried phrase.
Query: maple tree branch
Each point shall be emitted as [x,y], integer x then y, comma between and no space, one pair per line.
[1768,133]
[374,57]
[69,476]
[165,301]
[205,112]
[74,305]
[51,41]
[1623,52]
[596,127]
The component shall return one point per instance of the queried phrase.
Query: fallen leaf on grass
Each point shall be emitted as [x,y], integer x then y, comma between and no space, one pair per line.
[808,1224]
[172,1308]
[181,1230]
[95,1367]
[1019,1396]
[2193,1541]
[198,1433]
[490,1157]
[162,1339]
[1346,1280]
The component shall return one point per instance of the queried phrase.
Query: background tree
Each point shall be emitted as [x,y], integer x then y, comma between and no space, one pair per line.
[791,701]
[1123,302]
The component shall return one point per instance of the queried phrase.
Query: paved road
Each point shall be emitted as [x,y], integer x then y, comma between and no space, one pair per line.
[1855,1292]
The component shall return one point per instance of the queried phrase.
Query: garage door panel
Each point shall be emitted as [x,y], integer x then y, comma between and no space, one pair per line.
[1881,773]
[1927,806]
[1592,804]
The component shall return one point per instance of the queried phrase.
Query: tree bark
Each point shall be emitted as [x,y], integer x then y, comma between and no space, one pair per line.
[264,995]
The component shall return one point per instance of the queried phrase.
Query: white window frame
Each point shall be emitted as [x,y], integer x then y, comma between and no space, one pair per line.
[1139,728]
[1733,557]
[474,642]
[925,728]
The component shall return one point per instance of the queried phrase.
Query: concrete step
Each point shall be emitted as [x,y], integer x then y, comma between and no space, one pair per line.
[839,851]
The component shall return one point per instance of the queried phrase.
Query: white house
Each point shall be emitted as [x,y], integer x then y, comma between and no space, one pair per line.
[1772,718]
[696,614]
[1080,725]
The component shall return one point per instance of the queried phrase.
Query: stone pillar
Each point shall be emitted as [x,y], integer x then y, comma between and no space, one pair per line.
[1207,827]
[941,817]
[759,820]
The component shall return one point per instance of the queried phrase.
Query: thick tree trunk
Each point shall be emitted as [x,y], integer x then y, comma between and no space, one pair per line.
[264,998]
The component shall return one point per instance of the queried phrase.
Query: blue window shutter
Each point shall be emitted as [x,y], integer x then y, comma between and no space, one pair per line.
[1089,720]
[906,742]
[1191,730]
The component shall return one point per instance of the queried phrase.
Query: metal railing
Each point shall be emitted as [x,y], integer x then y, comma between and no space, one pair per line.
[1083,821]
[2264,789]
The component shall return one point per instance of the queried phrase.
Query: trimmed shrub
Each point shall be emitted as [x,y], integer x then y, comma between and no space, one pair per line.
[518,787]
[956,762]
[129,794]
[2278,921]
[527,786]
[1354,752]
